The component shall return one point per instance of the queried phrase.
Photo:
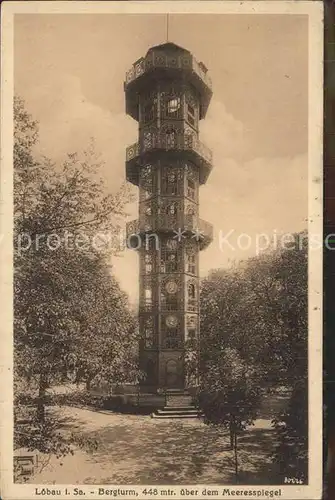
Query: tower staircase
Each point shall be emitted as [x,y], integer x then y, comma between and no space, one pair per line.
[178,404]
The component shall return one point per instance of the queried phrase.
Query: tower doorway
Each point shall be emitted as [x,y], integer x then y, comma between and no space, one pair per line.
[172,375]
[150,372]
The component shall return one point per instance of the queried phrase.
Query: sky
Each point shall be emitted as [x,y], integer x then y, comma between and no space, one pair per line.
[70,68]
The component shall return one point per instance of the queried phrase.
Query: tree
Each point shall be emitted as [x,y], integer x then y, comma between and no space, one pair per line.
[224,303]
[191,363]
[291,425]
[230,396]
[67,305]
[107,343]
[260,309]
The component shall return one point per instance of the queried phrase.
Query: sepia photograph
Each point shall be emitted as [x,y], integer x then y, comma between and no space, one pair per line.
[161,266]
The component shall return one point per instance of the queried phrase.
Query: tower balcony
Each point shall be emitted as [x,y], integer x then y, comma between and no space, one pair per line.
[197,229]
[193,149]
[167,60]
[206,230]
[148,63]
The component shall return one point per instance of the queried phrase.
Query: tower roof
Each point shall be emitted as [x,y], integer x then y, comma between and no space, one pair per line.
[170,46]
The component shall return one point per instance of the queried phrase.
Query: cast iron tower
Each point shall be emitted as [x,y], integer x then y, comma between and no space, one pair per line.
[168,92]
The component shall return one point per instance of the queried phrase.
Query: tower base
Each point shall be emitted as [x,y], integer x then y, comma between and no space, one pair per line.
[179,404]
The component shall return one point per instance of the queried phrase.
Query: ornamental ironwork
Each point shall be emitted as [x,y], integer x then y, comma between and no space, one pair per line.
[159,60]
[170,140]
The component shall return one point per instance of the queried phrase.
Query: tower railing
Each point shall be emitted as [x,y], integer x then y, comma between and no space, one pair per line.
[205,228]
[197,68]
[159,60]
[201,229]
[167,142]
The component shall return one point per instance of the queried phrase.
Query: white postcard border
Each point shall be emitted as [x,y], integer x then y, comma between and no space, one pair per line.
[314,10]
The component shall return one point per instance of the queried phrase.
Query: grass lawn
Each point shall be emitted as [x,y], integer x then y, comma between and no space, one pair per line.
[136,449]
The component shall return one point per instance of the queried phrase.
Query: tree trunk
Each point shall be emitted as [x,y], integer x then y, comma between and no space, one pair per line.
[235,455]
[78,377]
[43,383]
[231,431]
[88,383]
[64,374]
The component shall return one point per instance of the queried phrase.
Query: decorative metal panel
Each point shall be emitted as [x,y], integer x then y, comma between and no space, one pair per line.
[192,295]
[132,151]
[171,293]
[148,181]
[170,256]
[172,179]
[148,331]
[148,293]
[171,331]
[148,261]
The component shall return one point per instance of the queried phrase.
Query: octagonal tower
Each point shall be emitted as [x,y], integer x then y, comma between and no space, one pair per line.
[168,92]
